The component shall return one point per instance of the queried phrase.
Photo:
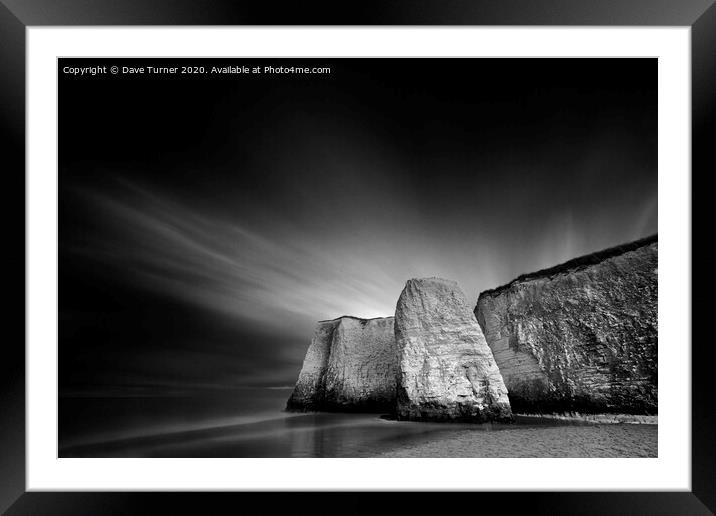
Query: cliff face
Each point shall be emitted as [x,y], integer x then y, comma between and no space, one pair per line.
[581,336]
[446,369]
[350,366]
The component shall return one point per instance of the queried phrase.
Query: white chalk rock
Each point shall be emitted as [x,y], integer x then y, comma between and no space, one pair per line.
[350,366]
[446,369]
[581,336]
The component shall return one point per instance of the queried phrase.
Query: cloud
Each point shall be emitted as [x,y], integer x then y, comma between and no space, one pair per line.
[163,245]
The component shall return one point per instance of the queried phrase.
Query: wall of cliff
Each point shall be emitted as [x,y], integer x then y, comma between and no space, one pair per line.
[581,336]
[350,365]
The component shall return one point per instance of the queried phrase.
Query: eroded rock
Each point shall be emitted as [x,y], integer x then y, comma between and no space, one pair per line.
[579,337]
[446,369]
[349,366]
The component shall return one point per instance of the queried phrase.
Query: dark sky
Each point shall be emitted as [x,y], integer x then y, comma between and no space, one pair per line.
[207,222]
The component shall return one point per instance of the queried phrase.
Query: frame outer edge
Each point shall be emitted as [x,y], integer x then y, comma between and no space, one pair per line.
[703,165]
[12,125]
[12,364]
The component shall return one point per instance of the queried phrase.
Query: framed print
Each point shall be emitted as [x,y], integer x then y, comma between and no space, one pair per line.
[403,255]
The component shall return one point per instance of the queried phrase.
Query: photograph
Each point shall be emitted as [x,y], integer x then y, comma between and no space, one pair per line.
[348,257]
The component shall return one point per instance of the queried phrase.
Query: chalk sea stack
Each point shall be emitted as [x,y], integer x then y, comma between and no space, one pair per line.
[446,369]
[581,336]
[349,366]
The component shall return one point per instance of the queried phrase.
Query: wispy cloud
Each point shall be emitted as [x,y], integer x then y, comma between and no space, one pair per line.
[166,246]
[290,276]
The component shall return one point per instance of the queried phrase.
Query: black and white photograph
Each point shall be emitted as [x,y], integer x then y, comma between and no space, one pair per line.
[357,257]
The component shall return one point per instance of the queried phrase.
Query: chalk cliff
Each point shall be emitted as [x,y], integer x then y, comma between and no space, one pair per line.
[349,366]
[581,336]
[446,369]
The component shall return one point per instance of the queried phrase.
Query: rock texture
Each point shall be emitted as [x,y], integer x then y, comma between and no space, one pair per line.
[581,336]
[350,366]
[446,369]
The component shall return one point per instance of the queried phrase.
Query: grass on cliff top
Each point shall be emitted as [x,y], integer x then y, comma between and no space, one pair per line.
[577,263]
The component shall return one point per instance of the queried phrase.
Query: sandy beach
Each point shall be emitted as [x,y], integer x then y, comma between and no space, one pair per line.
[592,440]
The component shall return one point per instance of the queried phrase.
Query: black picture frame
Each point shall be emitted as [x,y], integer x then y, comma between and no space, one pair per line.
[17,15]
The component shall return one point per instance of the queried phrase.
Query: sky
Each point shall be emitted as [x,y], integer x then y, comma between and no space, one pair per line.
[207,222]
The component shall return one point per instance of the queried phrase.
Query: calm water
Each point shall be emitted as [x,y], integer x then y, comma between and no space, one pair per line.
[251,423]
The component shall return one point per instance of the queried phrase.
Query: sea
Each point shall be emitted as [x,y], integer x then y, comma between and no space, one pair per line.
[253,423]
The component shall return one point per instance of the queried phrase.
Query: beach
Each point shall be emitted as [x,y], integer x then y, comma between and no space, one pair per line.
[524,440]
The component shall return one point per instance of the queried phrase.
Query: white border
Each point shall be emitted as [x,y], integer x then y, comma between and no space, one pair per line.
[671,470]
